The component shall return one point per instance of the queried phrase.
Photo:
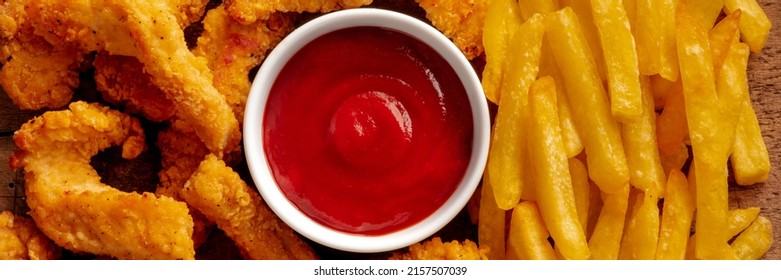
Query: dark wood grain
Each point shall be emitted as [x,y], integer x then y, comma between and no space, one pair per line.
[764,80]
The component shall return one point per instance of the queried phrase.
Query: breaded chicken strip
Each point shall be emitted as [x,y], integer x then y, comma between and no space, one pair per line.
[78,212]
[150,31]
[20,239]
[218,192]
[460,20]
[248,11]
[35,73]
[233,49]
[436,250]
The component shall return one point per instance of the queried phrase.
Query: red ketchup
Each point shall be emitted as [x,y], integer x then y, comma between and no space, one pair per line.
[367,130]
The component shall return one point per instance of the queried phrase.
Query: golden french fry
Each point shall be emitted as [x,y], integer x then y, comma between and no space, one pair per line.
[668,54]
[620,59]
[677,214]
[594,208]
[750,160]
[582,190]
[661,88]
[598,130]
[491,222]
[642,154]
[582,9]
[754,242]
[704,12]
[641,234]
[671,126]
[647,35]
[605,241]
[754,24]
[501,21]
[711,131]
[630,6]
[551,176]
[508,146]
[531,7]
[740,219]
[528,237]
[569,133]
[721,37]
[675,161]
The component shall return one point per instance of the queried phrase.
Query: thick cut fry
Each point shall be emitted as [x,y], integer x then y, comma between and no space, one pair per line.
[219,193]
[677,214]
[755,240]
[528,237]
[502,19]
[754,24]
[661,88]
[582,190]
[582,9]
[641,235]
[620,58]
[712,121]
[647,35]
[572,143]
[668,55]
[750,160]
[531,7]
[671,126]
[740,219]
[491,222]
[704,12]
[642,154]
[721,38]
[508,146]
[599,131]
[551,172]
[606,238]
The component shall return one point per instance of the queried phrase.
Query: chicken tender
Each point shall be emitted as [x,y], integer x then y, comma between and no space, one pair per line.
[233,49]
[220,194]
[460,20]
[436,250]
[35,73]
[20,239]
[150,31]
[69,203]
[248,11]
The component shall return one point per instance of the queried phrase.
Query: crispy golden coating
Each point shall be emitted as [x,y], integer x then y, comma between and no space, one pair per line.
[233,49]
[436,250]
[78,212]
[150,31]
[121,81]
[248,11]
[35,74]
[20,239]
[460,20]
[220,194]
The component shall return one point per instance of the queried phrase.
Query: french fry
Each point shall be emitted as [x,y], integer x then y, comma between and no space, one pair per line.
[630,6]
[531,7]
[528,237]
[501,21]
[606,238]
[677,215]
[582,9]
[750,160]
[508,146]
[647,35]
[740,219]
[675,161]
[721,38]
[661,88]
[598,130]
[569,133]
[641,234]
[668,54]
[552,179]
[671,126]
[704,12]
[620,59]
[754,24]
[712,118]
[491,223]
[642,154]
[594,208]
[582,190]
[754,242]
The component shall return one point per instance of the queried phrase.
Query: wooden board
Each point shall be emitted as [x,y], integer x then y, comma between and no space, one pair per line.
[764,81]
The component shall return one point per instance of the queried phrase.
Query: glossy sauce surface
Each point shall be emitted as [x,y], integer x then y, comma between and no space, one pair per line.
[367,130]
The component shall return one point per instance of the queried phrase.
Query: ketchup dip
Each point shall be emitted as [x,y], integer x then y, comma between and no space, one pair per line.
[367,130]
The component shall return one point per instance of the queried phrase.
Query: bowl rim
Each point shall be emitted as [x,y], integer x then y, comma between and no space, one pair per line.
[255,113]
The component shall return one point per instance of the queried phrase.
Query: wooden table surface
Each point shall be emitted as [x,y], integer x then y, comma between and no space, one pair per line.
[764,81]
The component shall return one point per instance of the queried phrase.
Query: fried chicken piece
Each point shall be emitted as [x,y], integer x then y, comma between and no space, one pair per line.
[181,152]
[218,192]
[35,74]
[233,49]
[460,20]
[248,11]
[436,250]
[20,239]
[151,32]
[72,207]
[122,81]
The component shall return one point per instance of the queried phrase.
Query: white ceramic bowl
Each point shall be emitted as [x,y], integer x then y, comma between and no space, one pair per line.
[253,128]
